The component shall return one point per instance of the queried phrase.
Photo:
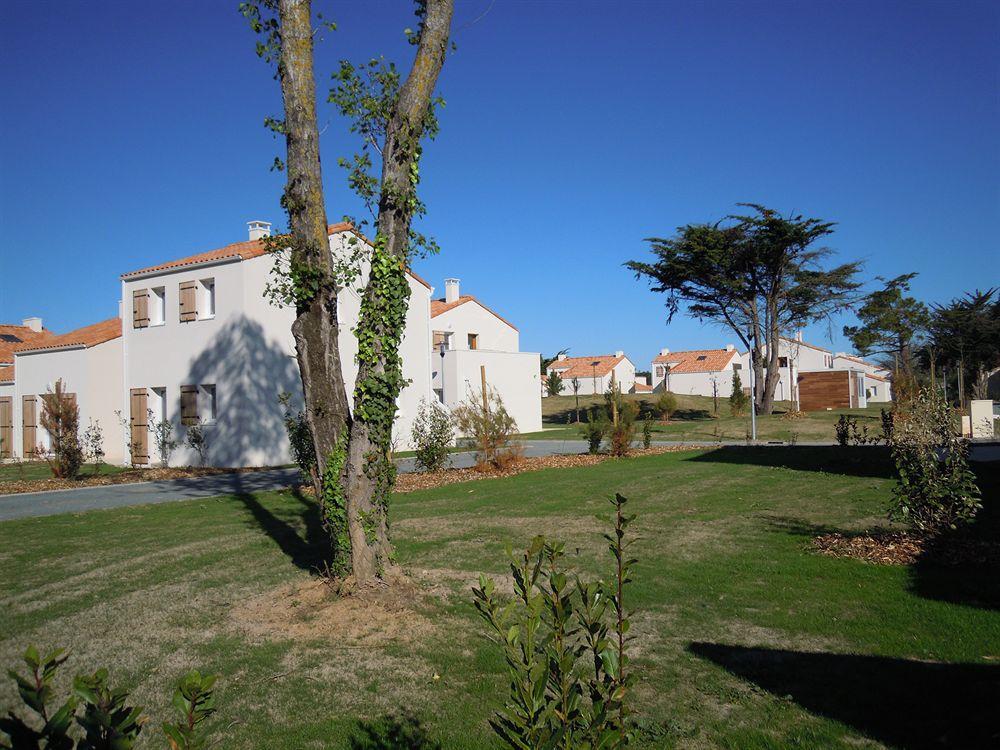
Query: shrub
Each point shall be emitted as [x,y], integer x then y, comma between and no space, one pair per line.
[300,439]
[738,400]
[93,444]
[843,430]
[197,440]
[163,437]
[554,384]
[565,646]
[666,405]
[61,420]
[432,435]
[489,429]
[107,721]
[594,429]
[935,489]
[888,420]
[647,433]
[849,432]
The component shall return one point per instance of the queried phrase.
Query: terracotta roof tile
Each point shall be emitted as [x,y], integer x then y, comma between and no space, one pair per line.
[92,335]
[243,251]
[584,367]
[12,337]
[697,360]
[7,374]
[439,307]
[643,388]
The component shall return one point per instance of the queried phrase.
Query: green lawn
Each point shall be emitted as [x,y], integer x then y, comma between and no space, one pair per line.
[744,637]
[695,419]
[29,470]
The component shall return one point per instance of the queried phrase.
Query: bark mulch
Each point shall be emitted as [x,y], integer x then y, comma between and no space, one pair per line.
[907,548]
[16,486]
[430,480]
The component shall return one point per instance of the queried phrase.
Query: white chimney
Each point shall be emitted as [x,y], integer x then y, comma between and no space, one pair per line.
[259,229]
[664,352]
[729,347]
[35,324]
[451,293]
[798,335]
[619,354]
[561,357]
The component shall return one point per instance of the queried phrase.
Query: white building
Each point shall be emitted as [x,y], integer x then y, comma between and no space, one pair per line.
[877,386]
[593,374]
[197,343]
[696,372]
[472,343]
[30,331]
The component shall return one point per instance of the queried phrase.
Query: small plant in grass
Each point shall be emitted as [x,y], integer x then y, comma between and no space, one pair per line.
[842,430]
[935,489]
[738,400]
[197,440]
[594,429]
[61,420]
[489,429]
[666,405]
[300,441]
[647,433]
[93,444]
[163,437]
[107,721]
[565,645]
[432,435]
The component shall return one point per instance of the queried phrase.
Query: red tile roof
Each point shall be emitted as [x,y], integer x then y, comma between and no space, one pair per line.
[439,307]
[697,360]
[92,335]
[242,251]
[803,343]
[642,388]
[860,361]
[7,374]
[12,337]
[584,367]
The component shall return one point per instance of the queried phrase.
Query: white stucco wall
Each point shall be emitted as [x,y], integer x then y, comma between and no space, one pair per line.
[471,317]
[515,375]
[589,385]
[91,373]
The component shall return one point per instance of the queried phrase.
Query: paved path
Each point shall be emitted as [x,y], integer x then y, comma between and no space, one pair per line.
[32,504]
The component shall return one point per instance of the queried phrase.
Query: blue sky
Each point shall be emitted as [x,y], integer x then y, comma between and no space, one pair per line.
[131,133]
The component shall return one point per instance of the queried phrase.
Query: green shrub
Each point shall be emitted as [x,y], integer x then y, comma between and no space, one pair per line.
[842,430]
[666,405]
[92,443]
[61,419]
[565,647]
[197,440]
[432,435]
[107,721]
[935,489]
[738,400]
[647,433]
[489,429]
[554,384]
[594,429]
[300,439]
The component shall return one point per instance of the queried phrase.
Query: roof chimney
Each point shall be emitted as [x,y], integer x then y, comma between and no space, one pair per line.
[451,293]
[729,347]
[561,357]
[619,353]
[664,352]
[259,229]
[35,324]
[798,335]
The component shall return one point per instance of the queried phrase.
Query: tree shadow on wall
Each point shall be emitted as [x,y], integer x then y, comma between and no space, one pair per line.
[249,373]
[900,702]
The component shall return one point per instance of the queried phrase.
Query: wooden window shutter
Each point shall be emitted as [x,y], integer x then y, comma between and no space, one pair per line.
[189,404]
[29,425]
[139,426]
[6,427]
[188,296]
[140,308]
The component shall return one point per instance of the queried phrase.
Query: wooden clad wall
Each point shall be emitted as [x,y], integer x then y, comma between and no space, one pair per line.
[825,390]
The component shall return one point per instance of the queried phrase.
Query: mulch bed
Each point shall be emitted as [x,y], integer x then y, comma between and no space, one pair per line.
[906,548]
[124,477]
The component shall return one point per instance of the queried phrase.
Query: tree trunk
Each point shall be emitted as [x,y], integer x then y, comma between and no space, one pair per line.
[315,326]
[369,473]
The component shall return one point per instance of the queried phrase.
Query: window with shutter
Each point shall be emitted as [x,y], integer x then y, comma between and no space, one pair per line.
[473,340]
[29,425]
[140,308]
[6,427]
[188,296]
[189,404]
[139,426]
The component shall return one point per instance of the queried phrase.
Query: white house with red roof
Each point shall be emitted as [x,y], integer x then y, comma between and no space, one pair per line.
[593,374]
[696,372]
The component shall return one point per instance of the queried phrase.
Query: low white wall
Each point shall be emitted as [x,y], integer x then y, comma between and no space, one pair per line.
[514,375]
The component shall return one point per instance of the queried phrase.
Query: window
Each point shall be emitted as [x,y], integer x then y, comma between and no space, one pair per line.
[208,403]
[158,306]
[737,366]
[140,308]
[206,308]
[660,371]
[189,405]
[187,301]
[10,338]
[473,340]
[442,337]
[782,361]
[702,357]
